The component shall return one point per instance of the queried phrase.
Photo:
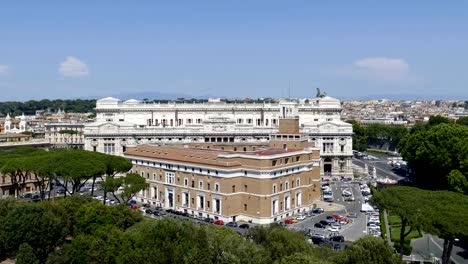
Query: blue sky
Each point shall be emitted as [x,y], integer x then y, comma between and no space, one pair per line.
[59,49]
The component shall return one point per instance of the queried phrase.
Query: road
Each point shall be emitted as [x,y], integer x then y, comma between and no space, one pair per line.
[429,245]
[351,231]
[383,169]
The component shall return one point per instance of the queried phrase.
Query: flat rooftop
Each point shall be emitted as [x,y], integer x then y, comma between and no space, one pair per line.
[206,156]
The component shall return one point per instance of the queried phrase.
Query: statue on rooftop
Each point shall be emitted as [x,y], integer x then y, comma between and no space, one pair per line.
[320,94]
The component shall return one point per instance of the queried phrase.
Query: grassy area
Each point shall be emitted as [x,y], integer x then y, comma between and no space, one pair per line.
[394,220]
[395,226]
[395,233]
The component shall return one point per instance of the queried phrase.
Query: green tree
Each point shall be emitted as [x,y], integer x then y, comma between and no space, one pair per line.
[34,225]
[368,250]
[93,216]
[458,182]
[133,183]
[463,121]
[434,152]
[404,202]
[114,165]
[26,255]
[280,242]
[77,166]
[447,212]
[359,136]
[437,119]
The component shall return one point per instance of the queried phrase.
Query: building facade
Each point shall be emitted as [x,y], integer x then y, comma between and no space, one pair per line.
[261,184]
[65,135]
[120,124]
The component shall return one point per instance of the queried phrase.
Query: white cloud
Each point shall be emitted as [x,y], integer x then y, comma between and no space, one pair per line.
[378,69]
[73,67]
[4,69]
[383,64]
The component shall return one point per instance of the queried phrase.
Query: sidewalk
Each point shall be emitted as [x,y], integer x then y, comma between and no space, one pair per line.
[329,207]
[387,234]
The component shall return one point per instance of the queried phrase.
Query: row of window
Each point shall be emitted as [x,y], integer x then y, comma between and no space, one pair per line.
[189,121]
[170,179]
[286,186]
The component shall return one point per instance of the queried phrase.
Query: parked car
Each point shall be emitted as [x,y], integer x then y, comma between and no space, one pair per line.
[346,193]
[324,222]
[318,240]
[319,225]
[148,211]
[231,224]
[317,235]
[219,222]
[209,220]
[337,238]
[288,221]
[337,247]
[27,196]
[317,210]
[300,217]
[333,229]
[244,226]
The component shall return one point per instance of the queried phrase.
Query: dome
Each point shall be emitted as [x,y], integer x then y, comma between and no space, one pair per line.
[131,101]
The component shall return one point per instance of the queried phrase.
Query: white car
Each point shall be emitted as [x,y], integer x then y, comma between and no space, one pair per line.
[301,217]
[333,229]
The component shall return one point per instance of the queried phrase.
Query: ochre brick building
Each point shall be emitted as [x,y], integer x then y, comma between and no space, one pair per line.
[233,181]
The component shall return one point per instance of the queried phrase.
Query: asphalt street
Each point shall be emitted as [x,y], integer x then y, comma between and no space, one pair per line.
[383,169]
[351,231]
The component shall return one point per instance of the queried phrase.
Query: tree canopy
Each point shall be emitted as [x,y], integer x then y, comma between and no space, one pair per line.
[30,107]
[36,233]
[442,213]
[435,151]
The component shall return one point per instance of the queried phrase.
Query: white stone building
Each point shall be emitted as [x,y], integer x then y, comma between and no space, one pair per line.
[10,127]
[124,123]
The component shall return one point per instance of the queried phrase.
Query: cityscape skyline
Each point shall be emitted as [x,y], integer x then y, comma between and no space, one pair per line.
[262,49]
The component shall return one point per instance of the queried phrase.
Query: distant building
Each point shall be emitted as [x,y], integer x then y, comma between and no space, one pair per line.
[261,184]
[384,120]
[126,123]
[11,126]
[65,135]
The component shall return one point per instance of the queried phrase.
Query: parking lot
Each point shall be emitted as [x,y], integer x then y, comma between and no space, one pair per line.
[348,222]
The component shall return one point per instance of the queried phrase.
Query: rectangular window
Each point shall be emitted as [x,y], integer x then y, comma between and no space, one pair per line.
[200,185]
[170,177]
[245,188]
[249,121]
[109,148]
[185,182]
[208,186]
[216,187]
[245,207]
